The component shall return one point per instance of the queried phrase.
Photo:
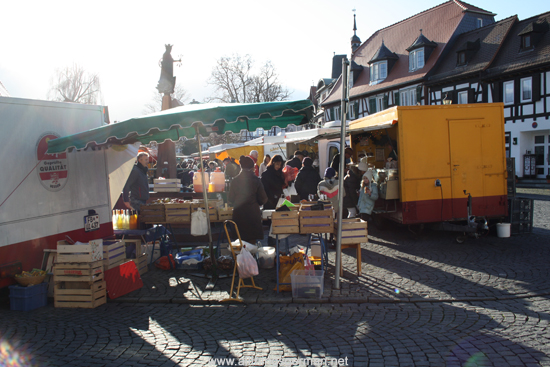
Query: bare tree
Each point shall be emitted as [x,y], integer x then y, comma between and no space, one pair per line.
[179,97]
[74,84]
[234,81]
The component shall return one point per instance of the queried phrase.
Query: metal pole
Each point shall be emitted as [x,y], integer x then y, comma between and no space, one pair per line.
[345,64]
[205,199]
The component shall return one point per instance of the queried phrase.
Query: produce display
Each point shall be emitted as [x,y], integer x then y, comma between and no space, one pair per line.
[32,273]
[169,201]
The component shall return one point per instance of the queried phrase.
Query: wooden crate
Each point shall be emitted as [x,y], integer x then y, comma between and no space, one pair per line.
[166,185]
[89,252]
[225,214]
[316,221]
[286,222]
[78,272]
[308,204]
[152,213]
[80,294]
[113,254]
[141,263]
[354,230]
[212,210]
[178,213]
[132,249]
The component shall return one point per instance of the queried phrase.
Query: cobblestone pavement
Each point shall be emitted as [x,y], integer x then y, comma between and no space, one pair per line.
[423,300]
[490,333]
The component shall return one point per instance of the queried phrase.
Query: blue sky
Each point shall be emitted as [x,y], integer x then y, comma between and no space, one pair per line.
[124,41]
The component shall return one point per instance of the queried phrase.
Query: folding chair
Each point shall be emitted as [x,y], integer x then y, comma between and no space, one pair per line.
[233,253]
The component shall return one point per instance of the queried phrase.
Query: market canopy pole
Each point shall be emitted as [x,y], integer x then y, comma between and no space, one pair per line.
[341,170]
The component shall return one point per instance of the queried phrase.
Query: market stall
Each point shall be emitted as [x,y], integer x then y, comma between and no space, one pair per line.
[192,121]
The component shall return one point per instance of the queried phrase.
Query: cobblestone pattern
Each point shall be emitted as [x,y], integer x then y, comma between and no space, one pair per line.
[505,333]
[398,266]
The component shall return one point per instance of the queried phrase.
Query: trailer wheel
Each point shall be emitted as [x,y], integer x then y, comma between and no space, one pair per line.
[461,238]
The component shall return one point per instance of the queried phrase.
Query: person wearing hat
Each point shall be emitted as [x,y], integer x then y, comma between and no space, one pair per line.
[352,184]
[307,179]
[247,194]
[368,194]
[335,164]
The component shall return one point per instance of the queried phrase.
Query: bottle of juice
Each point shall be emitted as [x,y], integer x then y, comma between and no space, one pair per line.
[133,220]
[120,219]
[114,219]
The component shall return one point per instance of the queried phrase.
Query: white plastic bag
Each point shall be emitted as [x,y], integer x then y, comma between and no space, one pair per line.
[290,190]
[247,266]
[199,223]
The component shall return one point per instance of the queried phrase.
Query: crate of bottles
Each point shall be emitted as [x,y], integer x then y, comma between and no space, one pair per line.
[125,219]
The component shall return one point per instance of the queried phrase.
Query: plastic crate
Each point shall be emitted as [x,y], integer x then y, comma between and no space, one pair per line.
[28,298]
[521,211]
[192,254]
[307,283]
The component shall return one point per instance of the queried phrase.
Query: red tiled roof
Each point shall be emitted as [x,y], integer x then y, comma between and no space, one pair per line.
[438,24]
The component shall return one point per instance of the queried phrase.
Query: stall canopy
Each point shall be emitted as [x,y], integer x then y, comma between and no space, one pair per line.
[181,121]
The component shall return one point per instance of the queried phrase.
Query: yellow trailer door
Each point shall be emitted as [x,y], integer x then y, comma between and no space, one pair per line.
[465,138]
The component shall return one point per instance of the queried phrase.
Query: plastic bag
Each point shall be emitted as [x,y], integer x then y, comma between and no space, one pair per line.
[290,173]
[247,266]
[290,191]
[165,263]
[199,223]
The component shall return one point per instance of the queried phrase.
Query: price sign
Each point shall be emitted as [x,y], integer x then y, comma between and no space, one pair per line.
[91,223]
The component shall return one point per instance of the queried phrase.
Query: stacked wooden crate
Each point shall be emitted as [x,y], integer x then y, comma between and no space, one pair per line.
[113,254]
[178,213]
[212,208]
[166,185]
[285,222]
[152,213]
[354,230]
[78,275]
[316,221]
[225,213]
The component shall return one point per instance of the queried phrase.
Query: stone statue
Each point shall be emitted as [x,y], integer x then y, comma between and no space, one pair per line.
[167,79]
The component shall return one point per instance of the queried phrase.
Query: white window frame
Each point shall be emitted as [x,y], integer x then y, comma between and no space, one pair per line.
[416,59]
[351,109]
[337,113]
[479,23]
[379,103]
[508,86]
[463,97]
[526,88]
[379,71]
[407,97]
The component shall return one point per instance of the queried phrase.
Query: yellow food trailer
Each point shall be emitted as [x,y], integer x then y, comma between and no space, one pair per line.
[450,163]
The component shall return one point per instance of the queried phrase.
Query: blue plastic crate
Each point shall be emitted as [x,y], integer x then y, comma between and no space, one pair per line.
[28,298]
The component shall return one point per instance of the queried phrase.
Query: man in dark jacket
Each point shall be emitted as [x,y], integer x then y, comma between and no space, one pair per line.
[296,161]
[307,179]
[247,195]
[335,164]
[136,190]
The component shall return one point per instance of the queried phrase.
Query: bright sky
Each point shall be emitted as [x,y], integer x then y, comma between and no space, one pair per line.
[123,41]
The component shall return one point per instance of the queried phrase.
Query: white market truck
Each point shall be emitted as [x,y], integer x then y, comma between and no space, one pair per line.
[45,197]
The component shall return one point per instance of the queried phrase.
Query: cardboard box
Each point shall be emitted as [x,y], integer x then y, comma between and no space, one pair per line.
[389,190]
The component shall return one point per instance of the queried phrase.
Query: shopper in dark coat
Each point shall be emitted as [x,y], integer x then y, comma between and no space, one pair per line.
[136,190]
[273,181]
[307,179]
[352,184]
[247,195]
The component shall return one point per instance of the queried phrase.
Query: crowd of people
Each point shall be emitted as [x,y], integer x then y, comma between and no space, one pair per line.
[252,186]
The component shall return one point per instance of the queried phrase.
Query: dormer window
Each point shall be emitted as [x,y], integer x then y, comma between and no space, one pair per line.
[378,71]
[416,59]
[419,52]
[479,23]
[526,42]
[461,58]
[381,64]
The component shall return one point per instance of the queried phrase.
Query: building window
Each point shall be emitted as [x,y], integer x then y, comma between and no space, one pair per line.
[463,97]
[407,97]
[351,110]
[508,92]
[479,23]
[526,42]
[336,113]
[379,104]
[416,59]
[461,58]
[378,71]
[526,90]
